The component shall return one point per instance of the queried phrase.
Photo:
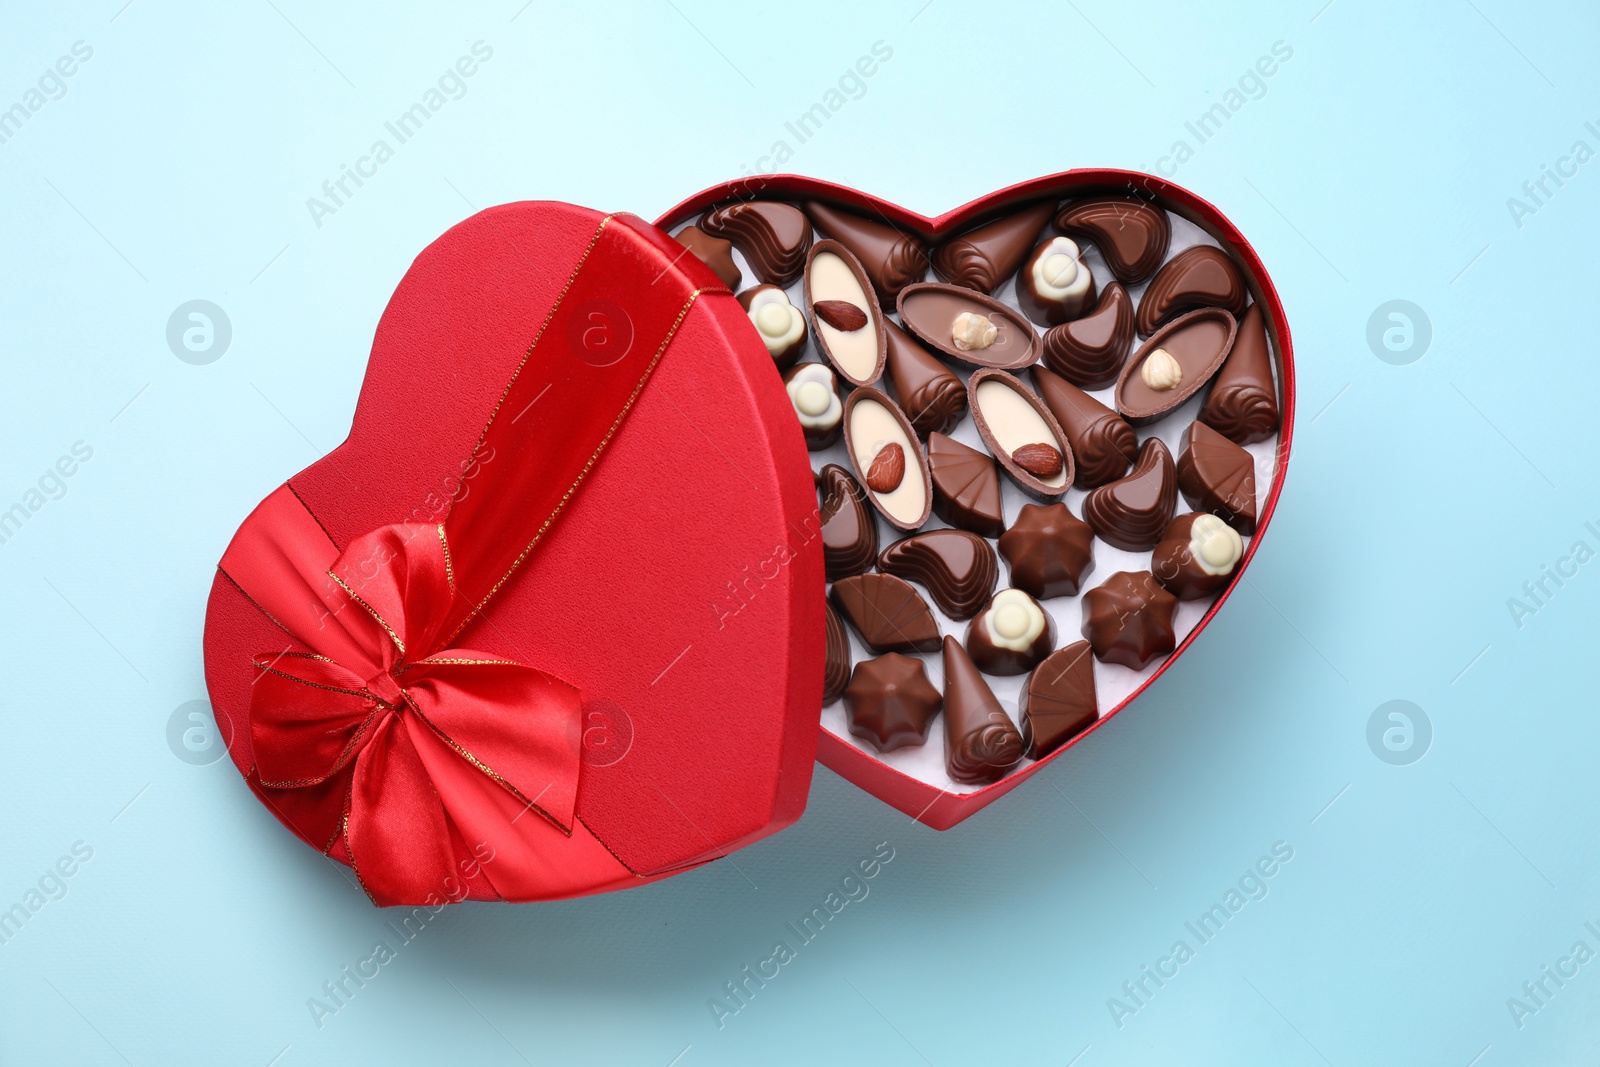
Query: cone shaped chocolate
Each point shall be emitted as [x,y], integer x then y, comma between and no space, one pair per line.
[981,742]
[983,258]
[1243,405]
[892,259]
[932,397]
[1103,444]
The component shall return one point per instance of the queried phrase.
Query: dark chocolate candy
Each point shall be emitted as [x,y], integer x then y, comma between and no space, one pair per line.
[814,395]
[872,423]
[1058,700]
[966,486]
[1103,444]
[1131,234]
[1218,476]
[782,326]
[849,533]
[1089,351]
[857,347]
[893,259]
[1174,364]
[1011,634]
[1021,433]
[968,326]
[1131,512]
[981,742]
[836,659]
[1243,405]
[957,568]
[1198,277]
[1054,285]
[1196,556]
[714,252]
[890,702]
[1049,550]
[888,614]
[774,237]
[931,396]
[1128,620]
[983,258]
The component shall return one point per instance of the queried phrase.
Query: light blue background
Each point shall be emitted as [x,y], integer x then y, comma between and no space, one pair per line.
[1376,166]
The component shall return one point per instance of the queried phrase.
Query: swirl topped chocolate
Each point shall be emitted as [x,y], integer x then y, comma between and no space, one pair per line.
[932,397]
[1243,405]
[981,741]
[1103,444]
[774,237]
[983,258]
[893,259]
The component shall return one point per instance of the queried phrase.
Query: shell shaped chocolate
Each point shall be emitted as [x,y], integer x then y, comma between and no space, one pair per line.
[1131,234]
[1131,512]
[1058,701]
[957,568]
[1198,277]
[1217,476]
[774,237]
[966,486]
[889,615]
[1089,351]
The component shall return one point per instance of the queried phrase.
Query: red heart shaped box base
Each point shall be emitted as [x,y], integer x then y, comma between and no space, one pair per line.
[927,803]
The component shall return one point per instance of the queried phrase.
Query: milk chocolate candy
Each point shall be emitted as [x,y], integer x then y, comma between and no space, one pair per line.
[1054,285]
[814,395]
[1131,512]
[1011,635]
[774,237]
[890,702]
[888,457]
[849,534]
[1197,556]
[886,612]
[1131,234]
[983,258]
[1128,620]
[1243,405]
[1218,476]
[782,326]
[967,326]
[932,397]
[966,486]
[714,252]
[836,658]
[1172,366]
[957,568]
[893,259]
[1058,700]
[1089,351]
[1021,433]
[1049,550]
[1198,277]
[1103,444]
[849,327]
[981,742]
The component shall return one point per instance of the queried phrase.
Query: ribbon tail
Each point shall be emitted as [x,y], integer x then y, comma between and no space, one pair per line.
[396,829]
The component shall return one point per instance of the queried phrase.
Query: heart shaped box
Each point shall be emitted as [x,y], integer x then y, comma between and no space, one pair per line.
[700,713]
[924,801]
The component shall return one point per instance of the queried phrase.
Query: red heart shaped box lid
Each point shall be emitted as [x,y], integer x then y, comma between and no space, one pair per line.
[678,588]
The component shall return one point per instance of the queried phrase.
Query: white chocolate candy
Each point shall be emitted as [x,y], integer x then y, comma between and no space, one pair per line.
[779,322]
[1057,275]
[1215,545]
[1014,621]
[815,400]
[971,331]
[1160,371]
[1013,422]
[871,427]
[855,352]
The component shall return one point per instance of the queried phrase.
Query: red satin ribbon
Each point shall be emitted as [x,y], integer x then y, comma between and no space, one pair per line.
[369,728]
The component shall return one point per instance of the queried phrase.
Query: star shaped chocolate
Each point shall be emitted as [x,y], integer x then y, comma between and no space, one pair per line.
[714,252]
[1128,620]
[891,702]
[1049,550]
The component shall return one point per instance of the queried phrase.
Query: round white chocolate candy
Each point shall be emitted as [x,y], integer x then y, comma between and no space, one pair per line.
[1057,274]
[779,322]
[971,331]
[1014,621]
[855,352]
[1013,422]
[1160,371]
[872,426]
[815,400]
[1215,545]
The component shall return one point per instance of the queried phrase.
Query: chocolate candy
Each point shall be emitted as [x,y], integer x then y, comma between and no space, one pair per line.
[1055,286]
[849,534]
[1172,366]
[1131,234]
[1198,277]
[893,259]
[773,237]
[886,612]
[850,330]
[931,396]
[1218,476]
[968,326]
[1243,405]
[1128,620]
[836,658]
[983,258]
[1089,351]
[781,325]
[956,567]
[1197,556]
[814,395]
[1011,635]
[1049,551]
[966,488]
[1131,512]
[1058,700]
[1021,433]
[714,252]
[981,742]
[874,429]
[1103,444]
[890,702]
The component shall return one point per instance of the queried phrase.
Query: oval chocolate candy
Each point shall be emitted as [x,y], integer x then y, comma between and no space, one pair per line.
[835,278]
[1171,367]
[1015,424]
[968,326]
[873,428]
